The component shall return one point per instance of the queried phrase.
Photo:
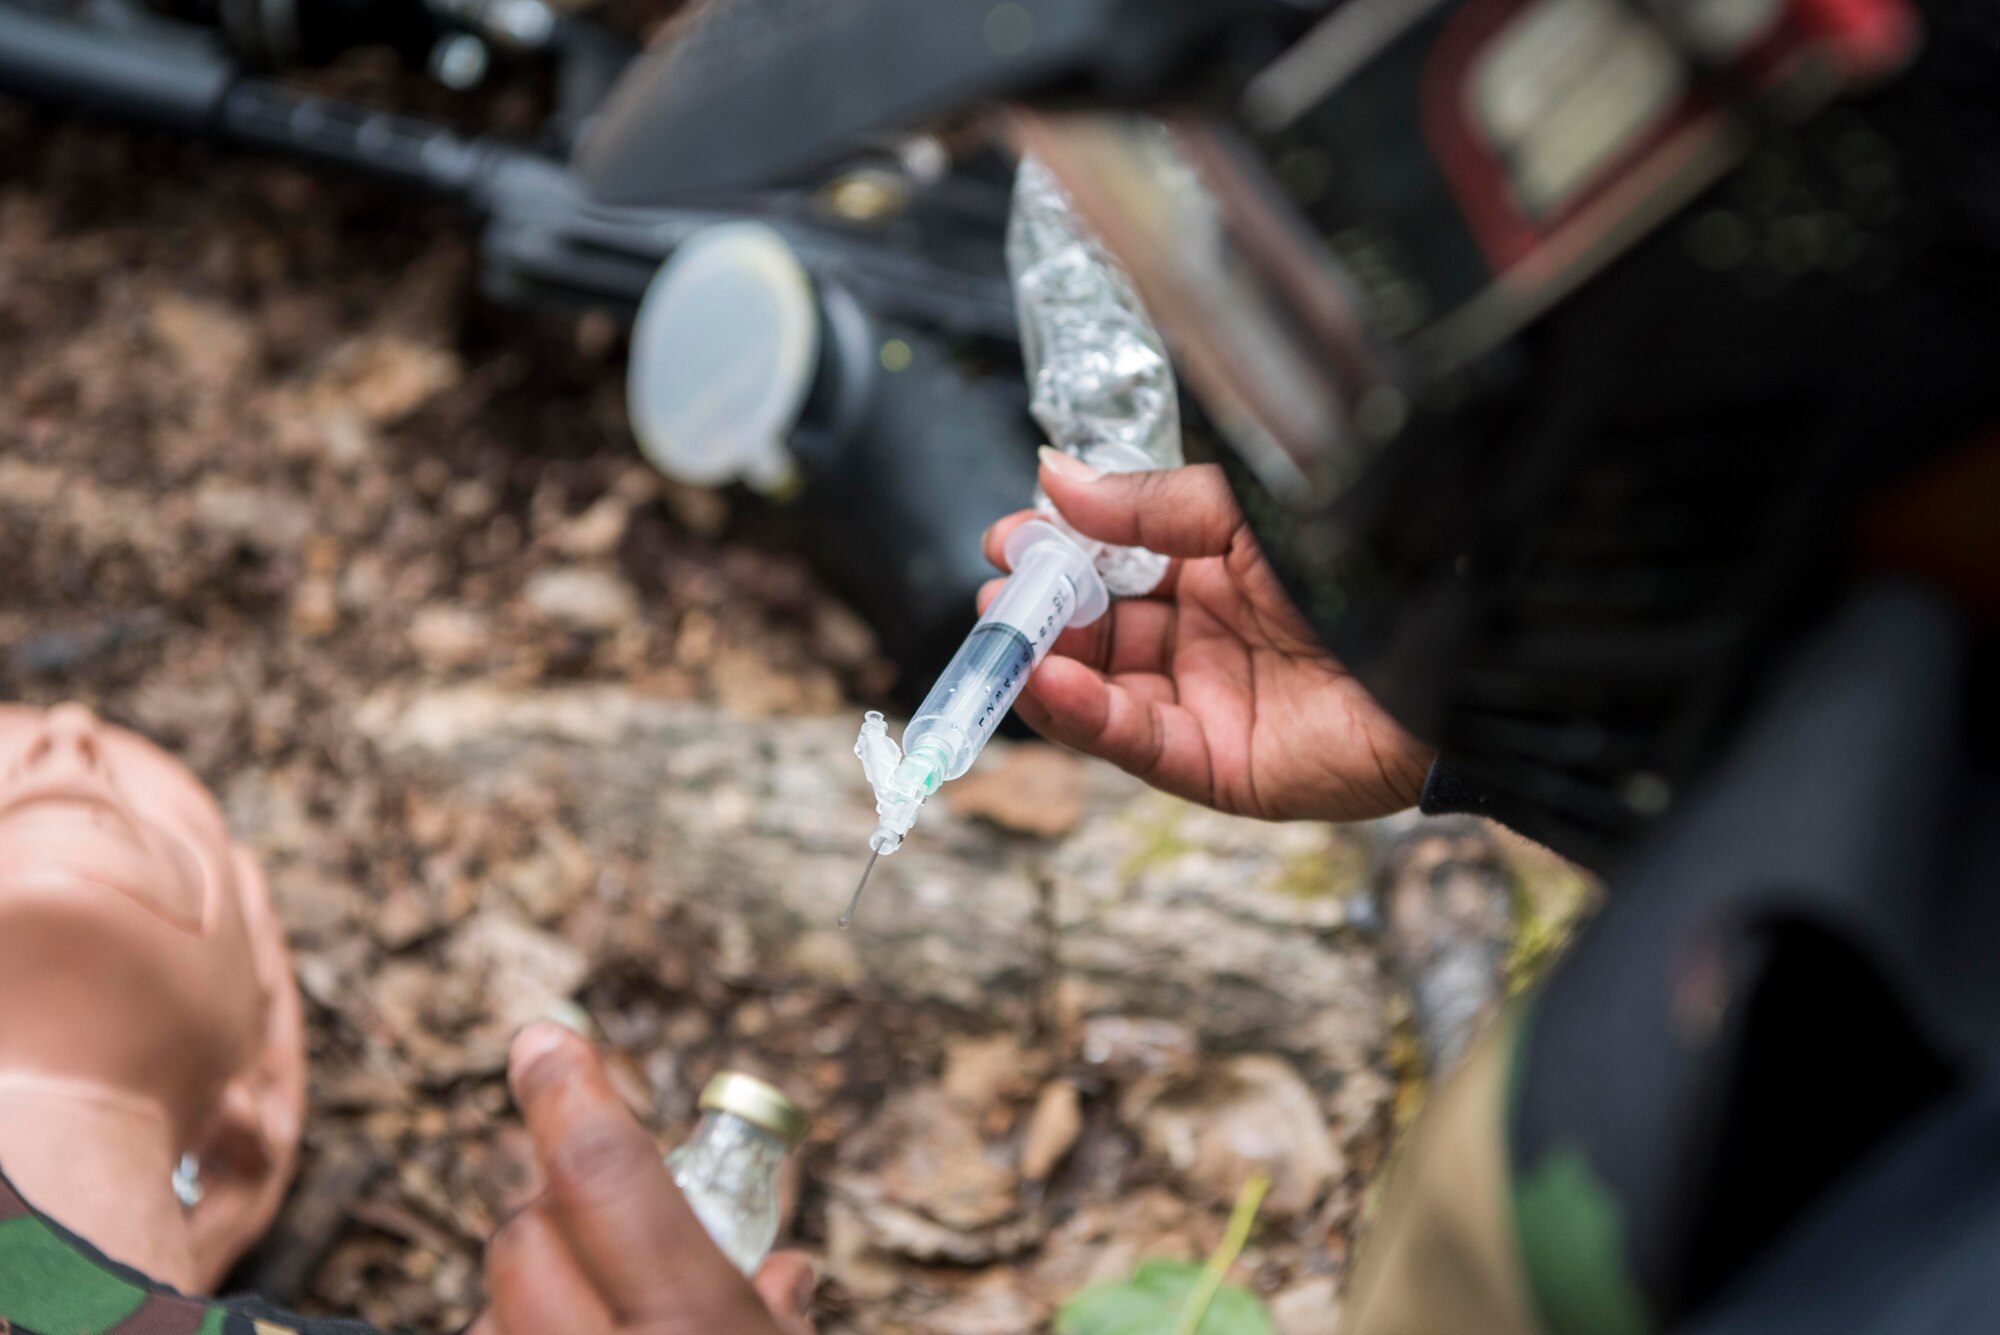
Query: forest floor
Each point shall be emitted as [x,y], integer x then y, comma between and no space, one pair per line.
[274,482]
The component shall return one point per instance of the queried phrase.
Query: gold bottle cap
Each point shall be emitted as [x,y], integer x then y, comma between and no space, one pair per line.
[756,1103]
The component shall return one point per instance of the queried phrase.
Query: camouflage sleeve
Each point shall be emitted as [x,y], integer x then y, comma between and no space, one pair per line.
[54,1283]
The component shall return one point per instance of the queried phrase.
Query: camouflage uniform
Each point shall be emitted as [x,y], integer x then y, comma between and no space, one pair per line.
[54,1283]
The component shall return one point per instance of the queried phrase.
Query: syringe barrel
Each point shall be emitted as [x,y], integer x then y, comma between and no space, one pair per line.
[1043,594]
[1052,579]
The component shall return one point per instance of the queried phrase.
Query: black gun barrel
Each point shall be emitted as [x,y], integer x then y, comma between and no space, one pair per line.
[175,82]
[381,143]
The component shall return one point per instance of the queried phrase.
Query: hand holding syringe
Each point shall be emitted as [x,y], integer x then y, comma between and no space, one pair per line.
[1102,388]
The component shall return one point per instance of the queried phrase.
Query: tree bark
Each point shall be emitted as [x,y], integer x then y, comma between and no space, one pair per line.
[1241,931]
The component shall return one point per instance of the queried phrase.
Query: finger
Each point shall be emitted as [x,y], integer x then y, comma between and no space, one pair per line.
[1184,512]
[1135,635]
[534,1283]
[1154,688]
[994,541]
[610,1195]
[786,1283]
[485,1325]
[1163,743]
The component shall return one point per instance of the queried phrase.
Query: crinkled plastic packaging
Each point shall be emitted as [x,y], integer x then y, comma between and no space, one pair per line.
[1100,384]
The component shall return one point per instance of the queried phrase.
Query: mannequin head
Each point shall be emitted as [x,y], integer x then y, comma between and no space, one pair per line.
[151,1009]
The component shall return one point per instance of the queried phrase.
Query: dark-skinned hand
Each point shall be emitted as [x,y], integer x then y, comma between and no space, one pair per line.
[1213,687]
[612,1247]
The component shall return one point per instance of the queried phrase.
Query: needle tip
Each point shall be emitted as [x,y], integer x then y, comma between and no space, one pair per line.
[860,885]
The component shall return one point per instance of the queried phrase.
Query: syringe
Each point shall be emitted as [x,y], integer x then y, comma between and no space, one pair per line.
[1102,389]
[1054,585]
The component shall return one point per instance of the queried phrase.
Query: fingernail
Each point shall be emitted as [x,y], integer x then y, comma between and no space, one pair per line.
[533,1044]
[802,1290]
[571,1017]
[1066,466]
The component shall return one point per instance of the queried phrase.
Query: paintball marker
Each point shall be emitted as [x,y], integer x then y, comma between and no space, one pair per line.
[885,271]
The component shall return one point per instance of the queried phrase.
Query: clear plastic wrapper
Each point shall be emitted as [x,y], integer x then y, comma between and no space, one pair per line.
[1100,383]
[1103,390]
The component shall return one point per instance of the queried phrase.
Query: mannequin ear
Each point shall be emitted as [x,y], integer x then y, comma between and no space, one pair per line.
[280,1073]
[252,1143]
[246,1161]
[244,1143]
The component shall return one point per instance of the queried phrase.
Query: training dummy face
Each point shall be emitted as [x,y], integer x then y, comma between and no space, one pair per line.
[151,1009]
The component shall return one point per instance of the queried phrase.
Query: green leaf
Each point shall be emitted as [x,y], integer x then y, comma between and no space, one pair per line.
[1152,1300]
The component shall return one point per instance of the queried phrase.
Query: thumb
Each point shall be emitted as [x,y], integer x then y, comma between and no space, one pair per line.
[1183,512]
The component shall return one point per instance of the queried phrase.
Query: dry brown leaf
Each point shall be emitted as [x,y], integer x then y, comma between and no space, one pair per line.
[978,1072]
[446,636]
[1233,1119]
[582,597]
[522,970]
[386,377]
[1052,1129]
[925,1183]
[212,343]
[1309,1307]
[994,1305]
[1030,789]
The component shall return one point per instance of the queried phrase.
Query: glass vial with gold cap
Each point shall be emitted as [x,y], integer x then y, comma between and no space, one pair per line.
[729,1168]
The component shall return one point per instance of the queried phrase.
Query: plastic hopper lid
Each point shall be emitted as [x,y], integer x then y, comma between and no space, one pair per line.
[723,355]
